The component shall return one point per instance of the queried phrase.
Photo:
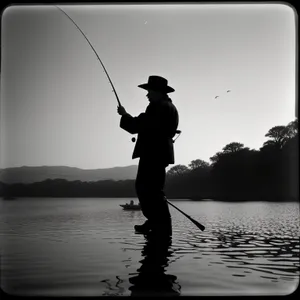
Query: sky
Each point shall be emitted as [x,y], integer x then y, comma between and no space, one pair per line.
[57,105]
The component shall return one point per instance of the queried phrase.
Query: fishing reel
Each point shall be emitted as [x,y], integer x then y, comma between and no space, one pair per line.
[176,132]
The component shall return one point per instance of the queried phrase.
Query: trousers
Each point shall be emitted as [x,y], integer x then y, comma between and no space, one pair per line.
[149,185]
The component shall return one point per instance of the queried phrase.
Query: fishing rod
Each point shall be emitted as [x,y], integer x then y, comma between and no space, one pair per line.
[110,81]
[200,226]
[114,90]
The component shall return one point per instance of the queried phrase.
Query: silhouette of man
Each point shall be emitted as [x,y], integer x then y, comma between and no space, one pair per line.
[156,128]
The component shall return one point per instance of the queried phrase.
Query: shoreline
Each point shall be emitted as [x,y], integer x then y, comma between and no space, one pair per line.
[193,199]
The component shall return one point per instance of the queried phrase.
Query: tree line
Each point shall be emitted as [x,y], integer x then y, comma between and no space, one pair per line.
[240,173]
[235,173]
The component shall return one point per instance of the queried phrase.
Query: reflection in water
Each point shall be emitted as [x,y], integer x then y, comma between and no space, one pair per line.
[152,279]
[264,253]
[114,290]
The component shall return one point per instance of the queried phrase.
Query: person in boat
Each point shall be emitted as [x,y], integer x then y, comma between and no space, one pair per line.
[131,203]
[156,128]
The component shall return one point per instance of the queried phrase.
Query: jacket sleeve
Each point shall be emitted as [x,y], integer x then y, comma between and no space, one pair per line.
[132,124]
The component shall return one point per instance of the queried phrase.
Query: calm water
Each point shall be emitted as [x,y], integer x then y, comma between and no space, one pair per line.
[87,247]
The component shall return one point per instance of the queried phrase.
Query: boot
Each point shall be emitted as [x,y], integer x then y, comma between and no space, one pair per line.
[144,228]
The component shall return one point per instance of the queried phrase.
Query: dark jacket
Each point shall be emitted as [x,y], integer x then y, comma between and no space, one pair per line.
[156,128]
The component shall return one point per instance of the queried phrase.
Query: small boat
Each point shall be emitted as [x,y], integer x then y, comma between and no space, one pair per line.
[131,206]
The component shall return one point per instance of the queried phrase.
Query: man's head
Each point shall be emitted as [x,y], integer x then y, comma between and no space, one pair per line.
[155,96]
[157,88]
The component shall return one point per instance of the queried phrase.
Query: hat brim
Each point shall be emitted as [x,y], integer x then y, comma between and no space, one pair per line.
[147,87]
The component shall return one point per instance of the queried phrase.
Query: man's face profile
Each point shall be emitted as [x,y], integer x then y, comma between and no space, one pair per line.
[154,96]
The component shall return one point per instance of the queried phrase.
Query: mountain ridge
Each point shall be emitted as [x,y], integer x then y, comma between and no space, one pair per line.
[31,174]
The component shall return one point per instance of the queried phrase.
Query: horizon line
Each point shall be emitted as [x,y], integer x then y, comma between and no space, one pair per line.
[65,166]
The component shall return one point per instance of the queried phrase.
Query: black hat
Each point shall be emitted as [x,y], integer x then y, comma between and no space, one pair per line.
[157,83]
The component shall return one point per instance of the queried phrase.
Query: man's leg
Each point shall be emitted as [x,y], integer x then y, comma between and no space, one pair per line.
[142,191]
[160,214]
[150,189]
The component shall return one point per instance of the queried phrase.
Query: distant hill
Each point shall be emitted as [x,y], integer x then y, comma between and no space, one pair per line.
[36,174]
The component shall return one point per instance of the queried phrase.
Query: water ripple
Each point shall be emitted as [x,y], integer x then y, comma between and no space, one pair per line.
[91,246]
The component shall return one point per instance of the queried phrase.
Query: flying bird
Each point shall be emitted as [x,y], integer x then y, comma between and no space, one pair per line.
[228,91]
[216,97]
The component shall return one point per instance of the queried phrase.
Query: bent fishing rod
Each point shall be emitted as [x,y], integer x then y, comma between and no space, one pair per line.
[114,90]
[200,226]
